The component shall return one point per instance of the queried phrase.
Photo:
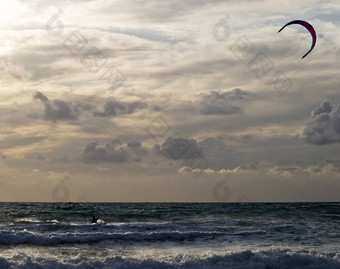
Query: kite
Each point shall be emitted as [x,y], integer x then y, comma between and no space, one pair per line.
[308,27]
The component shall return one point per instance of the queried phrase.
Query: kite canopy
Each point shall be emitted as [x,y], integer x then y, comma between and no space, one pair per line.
[308,27]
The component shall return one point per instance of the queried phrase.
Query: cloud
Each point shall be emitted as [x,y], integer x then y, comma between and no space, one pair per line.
[259,169]
[110,153]
[137,148]
[208,153]
[114,107]
[179,148]
[334,162]
[323,127]
[217,153]
[156,11]
[224,103]
[237,139]
[14,71]
[211,143]
[168,55]
[57,110]
[58,176]
[20,141]
[134,144]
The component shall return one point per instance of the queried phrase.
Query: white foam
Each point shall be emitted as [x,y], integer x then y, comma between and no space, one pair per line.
[245,260]
[27,220]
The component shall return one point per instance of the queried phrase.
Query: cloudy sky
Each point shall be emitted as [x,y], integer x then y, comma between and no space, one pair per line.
[169,101]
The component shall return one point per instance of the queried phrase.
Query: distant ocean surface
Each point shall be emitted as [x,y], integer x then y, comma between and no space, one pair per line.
[170,235]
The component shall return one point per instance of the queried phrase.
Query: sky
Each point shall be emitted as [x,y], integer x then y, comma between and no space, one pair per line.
[169,101]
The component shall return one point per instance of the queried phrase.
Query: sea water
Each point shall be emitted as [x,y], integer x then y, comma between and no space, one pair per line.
[170,235]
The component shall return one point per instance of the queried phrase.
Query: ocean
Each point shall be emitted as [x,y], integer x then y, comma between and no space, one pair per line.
[170,235]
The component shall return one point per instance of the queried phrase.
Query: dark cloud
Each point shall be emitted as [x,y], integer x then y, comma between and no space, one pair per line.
[218,154]
[137,148]
[211,143]
[224,103]
[323,127]
[157,149]
[208,153]
[114,107]
[179,148]
[110,109]
[57,110]
[132,107]
[83,105]
[110,153]
[134,144]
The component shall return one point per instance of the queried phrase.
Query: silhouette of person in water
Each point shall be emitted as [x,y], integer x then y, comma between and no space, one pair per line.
[94,219]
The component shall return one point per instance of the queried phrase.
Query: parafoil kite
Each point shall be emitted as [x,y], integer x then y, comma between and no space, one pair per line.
[308,27]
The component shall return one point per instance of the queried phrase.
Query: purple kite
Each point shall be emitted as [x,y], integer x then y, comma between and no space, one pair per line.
[308,27]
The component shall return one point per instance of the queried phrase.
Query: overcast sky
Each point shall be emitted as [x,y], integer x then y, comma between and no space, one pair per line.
[169,101]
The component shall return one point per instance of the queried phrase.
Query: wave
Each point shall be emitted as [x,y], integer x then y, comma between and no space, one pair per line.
[245,260]
[55,233]
[28,237]
[27,220]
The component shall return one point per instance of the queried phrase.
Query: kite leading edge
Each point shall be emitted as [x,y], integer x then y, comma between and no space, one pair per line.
[308,27]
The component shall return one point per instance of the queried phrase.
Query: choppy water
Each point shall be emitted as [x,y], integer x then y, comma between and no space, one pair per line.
[170,235]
